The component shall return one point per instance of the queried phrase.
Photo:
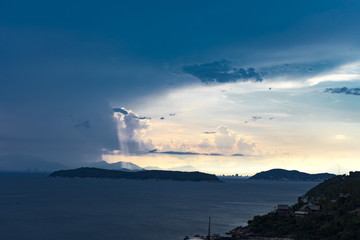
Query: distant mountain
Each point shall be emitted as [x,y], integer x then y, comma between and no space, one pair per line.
[286,175]
[25,163]
[186,168]
[142,175]
[152,168]
[125,166]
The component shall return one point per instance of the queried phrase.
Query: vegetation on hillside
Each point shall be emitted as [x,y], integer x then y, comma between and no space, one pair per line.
[143,175]
[338,217]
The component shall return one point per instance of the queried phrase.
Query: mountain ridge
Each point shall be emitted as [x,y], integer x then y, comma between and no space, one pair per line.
[120,165]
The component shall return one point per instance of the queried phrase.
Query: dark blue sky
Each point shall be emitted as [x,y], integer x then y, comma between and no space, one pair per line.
[165,31]
[63,63]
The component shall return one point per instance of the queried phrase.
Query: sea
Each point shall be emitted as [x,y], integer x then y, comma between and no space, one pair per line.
[34,206]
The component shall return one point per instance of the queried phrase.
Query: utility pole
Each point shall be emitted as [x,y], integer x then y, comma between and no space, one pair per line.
[208,236]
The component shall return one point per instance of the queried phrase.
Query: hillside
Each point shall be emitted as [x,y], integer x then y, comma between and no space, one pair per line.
[339,184]
[330,210]
[143,175]
[286,175]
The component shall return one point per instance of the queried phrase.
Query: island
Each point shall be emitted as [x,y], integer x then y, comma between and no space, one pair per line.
[87,172]
[286,175]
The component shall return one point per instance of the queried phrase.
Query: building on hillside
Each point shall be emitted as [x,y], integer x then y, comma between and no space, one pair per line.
[284,209]
[301,213]
[306,210]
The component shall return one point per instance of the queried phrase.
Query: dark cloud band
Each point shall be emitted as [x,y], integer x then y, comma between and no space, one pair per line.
[222,72]
[344,90]
[121,110]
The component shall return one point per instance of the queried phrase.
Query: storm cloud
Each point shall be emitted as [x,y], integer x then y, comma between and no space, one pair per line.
[120,110]
[63,68]
[131,130]
[222,72]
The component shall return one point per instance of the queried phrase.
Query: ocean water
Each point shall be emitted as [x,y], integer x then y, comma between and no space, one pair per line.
[38,207]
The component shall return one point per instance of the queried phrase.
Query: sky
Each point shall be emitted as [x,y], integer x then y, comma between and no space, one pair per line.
[225,87]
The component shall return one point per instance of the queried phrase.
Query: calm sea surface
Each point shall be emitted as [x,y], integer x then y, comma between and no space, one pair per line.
[37,207]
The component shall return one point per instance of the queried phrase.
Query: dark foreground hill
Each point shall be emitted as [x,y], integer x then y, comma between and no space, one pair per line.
[143,175]
[330,210]
[286,175]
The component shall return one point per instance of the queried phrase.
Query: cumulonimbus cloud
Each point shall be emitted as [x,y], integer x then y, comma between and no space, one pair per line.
[131,130]
[228,141]
[224,139]
[244,147]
